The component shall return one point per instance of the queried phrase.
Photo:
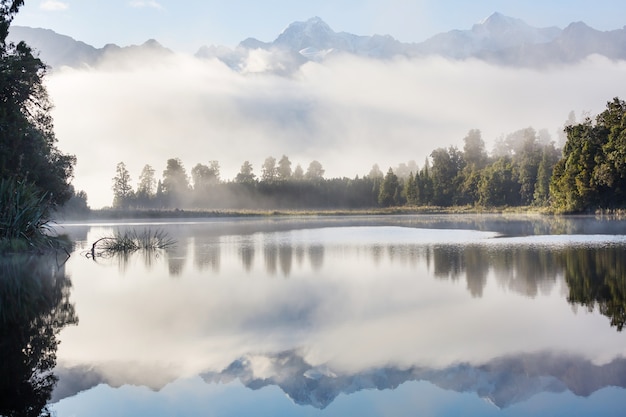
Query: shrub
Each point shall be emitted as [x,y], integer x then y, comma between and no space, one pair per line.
[24,216]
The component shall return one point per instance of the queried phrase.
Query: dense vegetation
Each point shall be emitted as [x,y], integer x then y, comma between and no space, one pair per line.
[592,172]
[517,173]
[34,174]
[525,168]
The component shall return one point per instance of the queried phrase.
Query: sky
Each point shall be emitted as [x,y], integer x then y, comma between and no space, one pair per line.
[348,113]
[187,25]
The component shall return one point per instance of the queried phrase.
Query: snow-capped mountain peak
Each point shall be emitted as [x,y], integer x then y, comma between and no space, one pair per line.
[497,39]
[497,19]
[312,33]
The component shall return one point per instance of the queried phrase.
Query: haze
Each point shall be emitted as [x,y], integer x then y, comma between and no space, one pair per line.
[348,113]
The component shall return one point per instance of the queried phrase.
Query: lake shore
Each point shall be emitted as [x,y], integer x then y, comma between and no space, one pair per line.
[114,214]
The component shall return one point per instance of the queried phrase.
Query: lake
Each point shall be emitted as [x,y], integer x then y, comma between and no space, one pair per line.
[487,315]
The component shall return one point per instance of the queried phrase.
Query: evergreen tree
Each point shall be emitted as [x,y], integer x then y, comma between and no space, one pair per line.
[314,172]
[388,195]
[245,175]
[298,173]
[175,185]
[268,171]
[146,188]
[283,171]
[122,188]
[410,190]
[549,157]
[447,165]
[474,152]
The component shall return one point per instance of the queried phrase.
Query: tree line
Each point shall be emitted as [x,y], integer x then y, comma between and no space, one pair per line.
[517,173]
[524,168]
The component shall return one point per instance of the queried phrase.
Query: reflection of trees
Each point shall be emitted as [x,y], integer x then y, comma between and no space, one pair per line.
[598,277]
[270,253]
[285,258]
[316,256]
[476,269]
[176,256]
[447,262]
[299,254]
[207,255]
[34,307]
[246,253]
[526,270]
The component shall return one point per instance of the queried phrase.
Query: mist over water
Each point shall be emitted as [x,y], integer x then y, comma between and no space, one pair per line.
[348,112]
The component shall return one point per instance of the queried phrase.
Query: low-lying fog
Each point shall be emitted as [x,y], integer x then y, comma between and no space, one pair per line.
[348,113]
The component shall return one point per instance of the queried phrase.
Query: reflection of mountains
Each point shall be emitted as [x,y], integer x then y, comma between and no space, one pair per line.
[504,381]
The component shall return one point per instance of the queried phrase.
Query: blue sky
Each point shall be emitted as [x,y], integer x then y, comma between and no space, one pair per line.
[187,25]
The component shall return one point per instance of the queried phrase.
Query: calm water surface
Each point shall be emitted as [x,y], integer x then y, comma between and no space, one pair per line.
[368,316]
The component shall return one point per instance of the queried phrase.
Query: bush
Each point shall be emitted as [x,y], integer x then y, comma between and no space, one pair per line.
[24,216]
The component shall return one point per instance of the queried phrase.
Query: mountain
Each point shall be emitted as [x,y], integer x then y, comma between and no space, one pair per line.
[498,39]
[59,50]
[493,34]
[54,49]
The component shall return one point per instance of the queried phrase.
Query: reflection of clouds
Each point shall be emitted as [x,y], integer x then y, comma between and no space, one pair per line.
[352,302]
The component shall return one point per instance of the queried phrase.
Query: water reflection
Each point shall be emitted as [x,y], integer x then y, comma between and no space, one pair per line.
[207,255]
[597,279]
[34,307]
[176,256]
[593,270]
[503,381]
[361,306]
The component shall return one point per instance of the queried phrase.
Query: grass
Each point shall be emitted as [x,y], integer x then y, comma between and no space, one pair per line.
[25,223]
[199,213]
[130,241]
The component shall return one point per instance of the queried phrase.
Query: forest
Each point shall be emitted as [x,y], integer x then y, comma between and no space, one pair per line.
[524,169]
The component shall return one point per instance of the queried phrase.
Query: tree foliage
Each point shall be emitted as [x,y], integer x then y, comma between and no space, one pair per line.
[28,151]
[122,188]
[592,172]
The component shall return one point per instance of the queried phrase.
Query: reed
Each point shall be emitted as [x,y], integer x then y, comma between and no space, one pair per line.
[24,217]
[131,241]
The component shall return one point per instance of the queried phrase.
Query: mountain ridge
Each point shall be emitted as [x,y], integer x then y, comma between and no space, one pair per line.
[503,381]
[497,39]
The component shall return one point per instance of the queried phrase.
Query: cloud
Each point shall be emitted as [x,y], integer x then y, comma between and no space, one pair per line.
[348,113]
[53,5]
[149,3]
